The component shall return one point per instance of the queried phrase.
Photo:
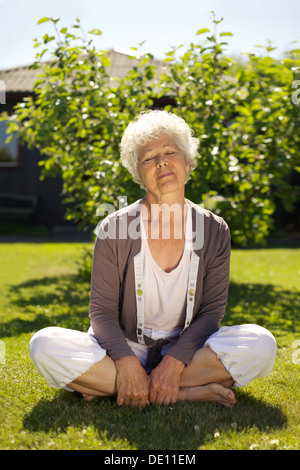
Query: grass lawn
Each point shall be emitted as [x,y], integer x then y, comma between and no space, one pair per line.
[40,286]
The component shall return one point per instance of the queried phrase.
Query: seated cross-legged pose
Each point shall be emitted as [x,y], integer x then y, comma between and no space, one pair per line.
[159,290]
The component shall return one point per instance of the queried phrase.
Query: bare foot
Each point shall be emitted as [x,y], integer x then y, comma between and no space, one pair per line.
[87,397]
[214,393]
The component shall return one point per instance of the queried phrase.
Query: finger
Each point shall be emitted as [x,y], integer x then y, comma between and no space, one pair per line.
[123,398]
[133,398]
[154,390]
[136,400]
[158,395]
[167,400]
[120,400]
[170,399]
[153,395]
[159,399]
[143,403]
[174,399]
[145,399]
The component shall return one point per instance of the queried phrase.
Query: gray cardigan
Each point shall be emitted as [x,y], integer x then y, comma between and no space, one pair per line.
[113,309]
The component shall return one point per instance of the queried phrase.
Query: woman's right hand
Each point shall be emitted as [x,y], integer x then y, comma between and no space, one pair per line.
[132,382]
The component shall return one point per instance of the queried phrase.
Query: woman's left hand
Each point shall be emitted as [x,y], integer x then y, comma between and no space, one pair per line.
[164,381]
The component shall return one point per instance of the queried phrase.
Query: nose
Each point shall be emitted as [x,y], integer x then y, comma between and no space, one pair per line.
[161,162]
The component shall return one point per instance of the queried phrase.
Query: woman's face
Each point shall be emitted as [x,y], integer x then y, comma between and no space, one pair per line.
[162,167]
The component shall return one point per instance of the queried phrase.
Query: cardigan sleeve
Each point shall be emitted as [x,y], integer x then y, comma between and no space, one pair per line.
[105,300]
[207,319]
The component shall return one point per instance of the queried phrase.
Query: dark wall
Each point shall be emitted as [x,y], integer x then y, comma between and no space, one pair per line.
[25,180]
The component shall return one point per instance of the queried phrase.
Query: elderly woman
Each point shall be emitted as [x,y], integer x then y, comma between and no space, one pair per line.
[158,292]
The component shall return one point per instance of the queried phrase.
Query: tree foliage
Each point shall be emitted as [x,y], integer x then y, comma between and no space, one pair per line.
[243,114]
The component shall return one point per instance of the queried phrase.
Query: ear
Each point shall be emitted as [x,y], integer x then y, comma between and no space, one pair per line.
[188,173]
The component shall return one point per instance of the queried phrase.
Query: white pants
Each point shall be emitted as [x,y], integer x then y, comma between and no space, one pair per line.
[62,355]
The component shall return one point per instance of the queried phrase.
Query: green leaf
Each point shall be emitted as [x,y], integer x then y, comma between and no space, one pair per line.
[218,21]
[43,20]
[47,38]
[105,61]
[38,82]
[203,30]
[42,53]
[95,31]
[82,133]
[226,34]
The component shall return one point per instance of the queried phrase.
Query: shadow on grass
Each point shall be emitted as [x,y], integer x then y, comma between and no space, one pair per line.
[64,300]
[64,289]
[264,304]
[50,301]
[154,427]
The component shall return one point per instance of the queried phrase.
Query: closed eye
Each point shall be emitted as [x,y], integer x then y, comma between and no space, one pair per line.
[149,159]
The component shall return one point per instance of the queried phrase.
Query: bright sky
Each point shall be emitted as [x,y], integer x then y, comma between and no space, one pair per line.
[160,23]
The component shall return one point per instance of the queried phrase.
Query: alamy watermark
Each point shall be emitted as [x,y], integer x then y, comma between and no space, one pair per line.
[2,92]
[295,99]
[2,352]
[165,222]
[296,354]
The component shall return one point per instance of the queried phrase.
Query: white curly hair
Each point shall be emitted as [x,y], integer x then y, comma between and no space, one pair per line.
[152,125]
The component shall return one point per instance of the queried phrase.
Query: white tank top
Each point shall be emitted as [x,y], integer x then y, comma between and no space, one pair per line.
[165,293]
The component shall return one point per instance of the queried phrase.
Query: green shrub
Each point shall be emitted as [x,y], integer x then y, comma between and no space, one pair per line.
[243,113]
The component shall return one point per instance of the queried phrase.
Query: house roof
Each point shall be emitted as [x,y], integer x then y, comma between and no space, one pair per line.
[21,79]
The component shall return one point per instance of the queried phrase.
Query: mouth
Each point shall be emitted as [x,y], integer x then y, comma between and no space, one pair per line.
[164,175]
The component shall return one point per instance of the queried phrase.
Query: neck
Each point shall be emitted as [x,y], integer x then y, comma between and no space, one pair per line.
[169,199]
[166,216]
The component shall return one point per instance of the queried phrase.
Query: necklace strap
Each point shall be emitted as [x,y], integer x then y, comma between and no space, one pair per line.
[139,293]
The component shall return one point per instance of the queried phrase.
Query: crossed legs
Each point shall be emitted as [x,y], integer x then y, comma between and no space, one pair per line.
[74,360]
[204,379]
